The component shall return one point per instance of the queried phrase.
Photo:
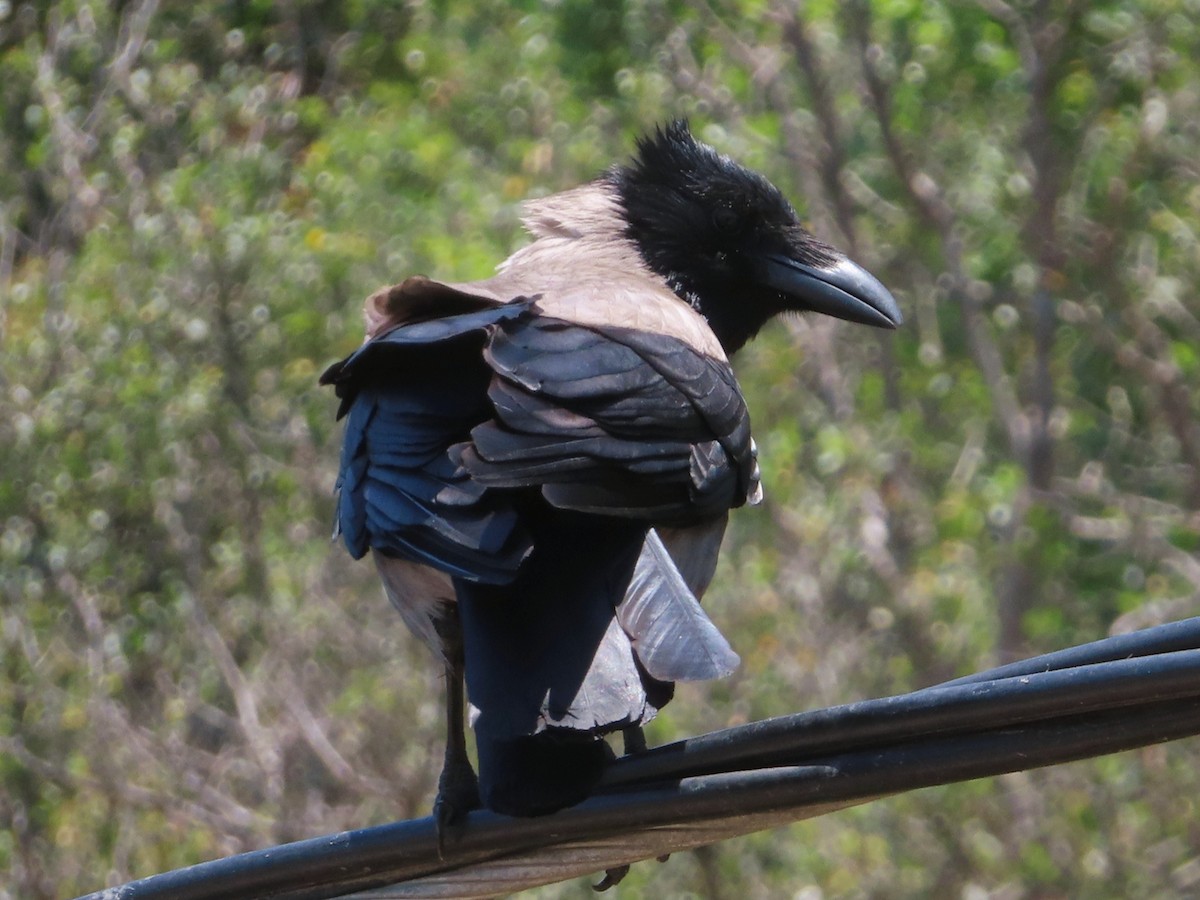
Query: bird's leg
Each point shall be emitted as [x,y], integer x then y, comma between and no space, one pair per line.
[458,787]
[635,739]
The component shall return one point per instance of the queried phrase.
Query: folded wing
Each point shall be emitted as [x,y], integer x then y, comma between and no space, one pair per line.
[527,457]
[613,421]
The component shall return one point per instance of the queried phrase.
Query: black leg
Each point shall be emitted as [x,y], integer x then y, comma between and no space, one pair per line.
[635,742]
[635,739]
[458,788]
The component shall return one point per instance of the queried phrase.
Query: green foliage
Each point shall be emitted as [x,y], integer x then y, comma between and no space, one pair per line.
[195,198]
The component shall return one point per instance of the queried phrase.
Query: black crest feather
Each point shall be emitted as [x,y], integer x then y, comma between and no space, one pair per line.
[698,219]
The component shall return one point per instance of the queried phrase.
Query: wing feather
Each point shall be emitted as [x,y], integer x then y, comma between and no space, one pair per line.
[452,419]
[612,420]
[411,397]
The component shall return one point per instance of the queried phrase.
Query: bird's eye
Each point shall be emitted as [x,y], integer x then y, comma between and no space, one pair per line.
[727,220]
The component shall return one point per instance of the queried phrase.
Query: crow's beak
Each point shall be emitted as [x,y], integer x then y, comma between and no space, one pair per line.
[844,290]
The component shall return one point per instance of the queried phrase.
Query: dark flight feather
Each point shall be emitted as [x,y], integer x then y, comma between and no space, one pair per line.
[656,606]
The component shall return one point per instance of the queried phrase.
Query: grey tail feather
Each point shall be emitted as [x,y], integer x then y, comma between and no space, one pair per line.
[672,636]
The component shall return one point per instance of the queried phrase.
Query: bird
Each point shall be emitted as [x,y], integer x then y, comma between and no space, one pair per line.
[542,463]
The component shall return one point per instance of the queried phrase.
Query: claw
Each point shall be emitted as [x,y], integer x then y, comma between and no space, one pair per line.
[611,878]
[458,794]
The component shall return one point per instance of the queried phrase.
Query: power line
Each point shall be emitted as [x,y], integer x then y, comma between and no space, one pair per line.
[1111,695]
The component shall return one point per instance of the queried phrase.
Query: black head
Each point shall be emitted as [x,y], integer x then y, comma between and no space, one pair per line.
[729,243]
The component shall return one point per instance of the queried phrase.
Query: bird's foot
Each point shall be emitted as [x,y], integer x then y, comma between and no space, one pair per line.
[458,794]
[635,739]
[612,877]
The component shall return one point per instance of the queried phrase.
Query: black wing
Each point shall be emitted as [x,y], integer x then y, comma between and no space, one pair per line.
[410,396]
[612,421]
[448,418]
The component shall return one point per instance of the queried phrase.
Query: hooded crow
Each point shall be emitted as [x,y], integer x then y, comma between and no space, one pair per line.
[542,463]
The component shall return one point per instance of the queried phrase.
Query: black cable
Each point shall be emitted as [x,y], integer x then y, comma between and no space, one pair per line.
[1099,698]
[959,707]
[1171,636]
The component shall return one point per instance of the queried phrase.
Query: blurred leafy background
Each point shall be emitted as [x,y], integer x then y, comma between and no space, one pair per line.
[194,199]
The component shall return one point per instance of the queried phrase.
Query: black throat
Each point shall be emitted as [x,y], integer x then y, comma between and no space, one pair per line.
[734,320]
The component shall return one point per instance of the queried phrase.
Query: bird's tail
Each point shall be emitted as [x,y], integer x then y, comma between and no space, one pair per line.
[549,670]
[586,641]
